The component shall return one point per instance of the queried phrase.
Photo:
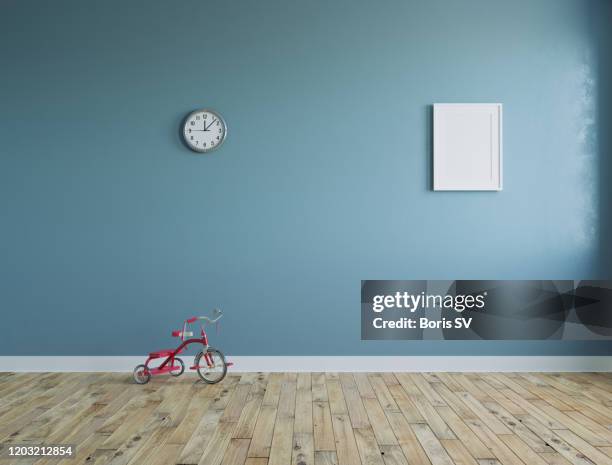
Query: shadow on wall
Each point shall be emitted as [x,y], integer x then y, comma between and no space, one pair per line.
[601,18]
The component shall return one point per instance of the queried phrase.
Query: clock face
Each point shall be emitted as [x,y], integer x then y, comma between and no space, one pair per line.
[204,130]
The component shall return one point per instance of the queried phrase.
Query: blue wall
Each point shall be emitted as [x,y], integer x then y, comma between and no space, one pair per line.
[112,232]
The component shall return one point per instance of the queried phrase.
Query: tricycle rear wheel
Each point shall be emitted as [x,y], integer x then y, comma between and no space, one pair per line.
[142,375]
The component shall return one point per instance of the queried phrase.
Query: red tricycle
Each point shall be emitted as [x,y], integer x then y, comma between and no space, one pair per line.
[209,363]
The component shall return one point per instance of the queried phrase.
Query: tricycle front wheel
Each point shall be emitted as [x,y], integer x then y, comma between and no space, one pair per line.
[211,367]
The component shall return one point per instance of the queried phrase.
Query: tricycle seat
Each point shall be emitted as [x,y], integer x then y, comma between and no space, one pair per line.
[181,334]
[161,353]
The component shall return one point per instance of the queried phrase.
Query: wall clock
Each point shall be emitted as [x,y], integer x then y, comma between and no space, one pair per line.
[204,130]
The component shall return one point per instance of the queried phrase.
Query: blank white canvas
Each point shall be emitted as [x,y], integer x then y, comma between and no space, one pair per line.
[467,146]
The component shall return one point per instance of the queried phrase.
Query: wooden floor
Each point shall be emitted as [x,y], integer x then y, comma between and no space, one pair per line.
[313,418]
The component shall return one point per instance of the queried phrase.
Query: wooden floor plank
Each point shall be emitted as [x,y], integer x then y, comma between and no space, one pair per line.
[556,442]
[529,406]
[345,444]
[427,390]
[232,412]
[303,405]
[195,411]
[236,453]
[322,427]
[513,423]
[168,454]
[497,395]
[324,457]
[337,404]
[407,440]
[273,390]
[457,452]
[256,461]
[393,455]
[364,386]
[470,439]
[555,458]
[584,447]
[453,400]
[436,423]
[196,445]
[569,423]
[493,442]
[368,448]
[263,432]
[354,404]
[592,425]
[522,450]
[432,446]
[386,400]
[382,430]
[319,388]
[282,441]
[492,422]
[303,449]
[218,444]
[405,405]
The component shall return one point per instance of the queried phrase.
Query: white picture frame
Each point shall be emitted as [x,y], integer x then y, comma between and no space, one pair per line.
[467,147]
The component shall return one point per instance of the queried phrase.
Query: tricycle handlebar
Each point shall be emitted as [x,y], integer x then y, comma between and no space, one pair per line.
[217,312]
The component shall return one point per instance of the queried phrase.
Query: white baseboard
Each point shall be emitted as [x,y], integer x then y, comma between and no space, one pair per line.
[323,363]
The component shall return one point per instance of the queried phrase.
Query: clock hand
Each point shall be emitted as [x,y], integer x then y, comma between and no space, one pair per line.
[211,123]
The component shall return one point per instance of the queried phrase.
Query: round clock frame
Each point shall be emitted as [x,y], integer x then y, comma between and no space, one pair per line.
[191,119]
